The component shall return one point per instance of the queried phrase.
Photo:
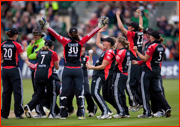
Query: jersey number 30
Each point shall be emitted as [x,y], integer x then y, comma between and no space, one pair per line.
[73,50]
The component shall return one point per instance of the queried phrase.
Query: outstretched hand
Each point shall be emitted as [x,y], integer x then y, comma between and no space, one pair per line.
[103,21]
[43,23]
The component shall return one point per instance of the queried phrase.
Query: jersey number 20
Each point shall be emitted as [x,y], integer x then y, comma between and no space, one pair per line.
[8,52]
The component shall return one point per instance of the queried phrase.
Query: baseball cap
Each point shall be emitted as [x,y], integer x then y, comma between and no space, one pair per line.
[155,34]
[148,30]
[13,31]
[49,43]
[37,31]
[135,25]
[108,39]
[73,30]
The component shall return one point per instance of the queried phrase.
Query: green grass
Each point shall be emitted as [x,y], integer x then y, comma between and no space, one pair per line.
[171,93]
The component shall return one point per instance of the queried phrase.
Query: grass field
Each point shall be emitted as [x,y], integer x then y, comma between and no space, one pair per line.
[171,93]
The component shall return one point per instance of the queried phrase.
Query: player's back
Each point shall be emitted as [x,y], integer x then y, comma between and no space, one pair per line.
[135,39]
[72,52]
[156,51]
[44,65]
[10,52]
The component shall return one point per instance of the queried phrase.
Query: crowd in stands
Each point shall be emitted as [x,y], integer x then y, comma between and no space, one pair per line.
[25,14]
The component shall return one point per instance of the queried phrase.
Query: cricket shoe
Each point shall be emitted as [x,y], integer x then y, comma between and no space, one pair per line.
[63,118]
[81,118]
[138,107]
[104,117]
[157,114]
[27,111]
[168,113]
[45,109]
[110,113]
[19,117]
[39,116]
[127,116]
[118,116]
[4,117]
[143,116]
[57,116]
[132,108]
[51,116]
[91,114]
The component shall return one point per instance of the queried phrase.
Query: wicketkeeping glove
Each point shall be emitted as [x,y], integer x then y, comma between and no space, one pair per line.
[104,20]
[43,23]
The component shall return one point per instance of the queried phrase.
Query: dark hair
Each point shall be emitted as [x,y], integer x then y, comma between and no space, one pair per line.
[75,36]
[9,34]
[114,46]
[123,41]
[45,48]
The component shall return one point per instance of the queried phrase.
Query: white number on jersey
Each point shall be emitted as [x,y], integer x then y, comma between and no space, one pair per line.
[8,52]
[140,39]
[73,50]
[43,56]
[160,56]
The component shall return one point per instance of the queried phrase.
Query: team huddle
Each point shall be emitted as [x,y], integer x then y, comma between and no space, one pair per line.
[126,65]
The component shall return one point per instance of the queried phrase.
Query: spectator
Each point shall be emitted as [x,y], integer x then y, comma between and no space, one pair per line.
[56,24]
[93,21]
[74,17]
[30,7]
[53,5]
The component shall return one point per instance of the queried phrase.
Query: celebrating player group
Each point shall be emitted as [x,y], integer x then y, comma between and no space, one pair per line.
[126,65]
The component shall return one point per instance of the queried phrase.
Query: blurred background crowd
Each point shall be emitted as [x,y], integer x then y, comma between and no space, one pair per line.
[85,16]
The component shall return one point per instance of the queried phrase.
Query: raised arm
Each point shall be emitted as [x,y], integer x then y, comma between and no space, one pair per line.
[90,57]
[140,18]
[103,21]
[46,26]
[60,38]
[90,35]
[98,39]
[120,25]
